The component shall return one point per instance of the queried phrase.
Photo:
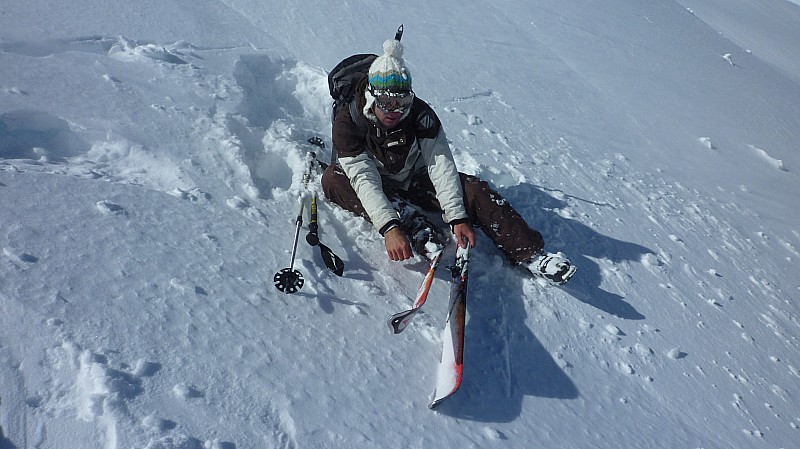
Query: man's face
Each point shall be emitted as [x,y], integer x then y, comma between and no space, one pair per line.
[388,119]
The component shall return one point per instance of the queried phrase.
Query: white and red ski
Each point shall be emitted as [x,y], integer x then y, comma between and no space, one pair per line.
[400,320]
[451,364]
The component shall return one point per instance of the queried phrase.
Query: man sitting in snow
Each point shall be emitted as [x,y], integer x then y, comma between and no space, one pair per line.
[403,156]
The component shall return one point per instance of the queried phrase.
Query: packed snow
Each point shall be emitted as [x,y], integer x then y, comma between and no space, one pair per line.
[151,164]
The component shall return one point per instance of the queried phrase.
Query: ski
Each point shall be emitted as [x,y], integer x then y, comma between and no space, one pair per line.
[451,364]
[399,321]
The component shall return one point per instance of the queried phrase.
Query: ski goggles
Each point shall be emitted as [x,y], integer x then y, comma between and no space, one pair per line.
[388,101]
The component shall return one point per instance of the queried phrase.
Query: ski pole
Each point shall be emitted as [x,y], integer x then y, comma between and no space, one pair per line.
[289,280]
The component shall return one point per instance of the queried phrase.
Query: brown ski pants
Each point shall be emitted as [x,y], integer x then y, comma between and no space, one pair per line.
[486,208]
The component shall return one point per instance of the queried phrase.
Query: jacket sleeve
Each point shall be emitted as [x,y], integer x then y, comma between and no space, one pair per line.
[445,177]
[366,181]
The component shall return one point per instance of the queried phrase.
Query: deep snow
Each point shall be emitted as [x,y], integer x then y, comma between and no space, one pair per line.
[151,156]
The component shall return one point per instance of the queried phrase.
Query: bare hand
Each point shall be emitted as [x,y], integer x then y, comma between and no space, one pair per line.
[398,247]
[465,233]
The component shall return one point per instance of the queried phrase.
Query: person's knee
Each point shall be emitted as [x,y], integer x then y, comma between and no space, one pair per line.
[472,186]
[337,189]
[332,181]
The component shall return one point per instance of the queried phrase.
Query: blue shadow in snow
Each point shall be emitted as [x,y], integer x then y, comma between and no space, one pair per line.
[5,443]
[503,359]
[28,134]
[578,241]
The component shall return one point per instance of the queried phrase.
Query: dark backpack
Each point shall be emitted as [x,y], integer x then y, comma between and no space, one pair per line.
[342,82]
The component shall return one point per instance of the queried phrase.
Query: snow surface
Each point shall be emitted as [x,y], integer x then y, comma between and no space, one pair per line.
[151,156]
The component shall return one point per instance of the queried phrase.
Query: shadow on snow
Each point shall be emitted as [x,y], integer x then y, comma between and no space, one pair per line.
[578,242]
[504,360]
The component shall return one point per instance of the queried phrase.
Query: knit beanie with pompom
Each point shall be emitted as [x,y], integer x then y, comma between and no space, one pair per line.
[388,72]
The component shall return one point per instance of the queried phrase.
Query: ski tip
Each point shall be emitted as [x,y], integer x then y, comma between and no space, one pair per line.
[436,401]
[439,399]
[399,321]
[396,326]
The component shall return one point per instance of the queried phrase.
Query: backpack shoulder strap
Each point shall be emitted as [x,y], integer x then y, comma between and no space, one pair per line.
[358,118]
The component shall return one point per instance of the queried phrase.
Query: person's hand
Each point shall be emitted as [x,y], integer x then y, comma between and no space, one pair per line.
[398,247]
[465,233]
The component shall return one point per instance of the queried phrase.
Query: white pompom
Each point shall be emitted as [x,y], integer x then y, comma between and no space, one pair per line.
[393,48]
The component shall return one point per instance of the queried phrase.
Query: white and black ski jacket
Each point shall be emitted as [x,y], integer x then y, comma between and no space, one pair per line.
[372,156]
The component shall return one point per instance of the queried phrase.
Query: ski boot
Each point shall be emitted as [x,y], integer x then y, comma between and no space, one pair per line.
[427,239]
[555,268]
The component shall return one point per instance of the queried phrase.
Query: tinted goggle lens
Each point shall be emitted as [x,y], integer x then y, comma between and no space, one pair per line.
[393,101]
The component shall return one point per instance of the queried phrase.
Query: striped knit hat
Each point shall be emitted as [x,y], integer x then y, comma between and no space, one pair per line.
[388,72]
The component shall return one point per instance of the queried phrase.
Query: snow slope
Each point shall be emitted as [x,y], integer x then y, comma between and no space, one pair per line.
[151,157]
